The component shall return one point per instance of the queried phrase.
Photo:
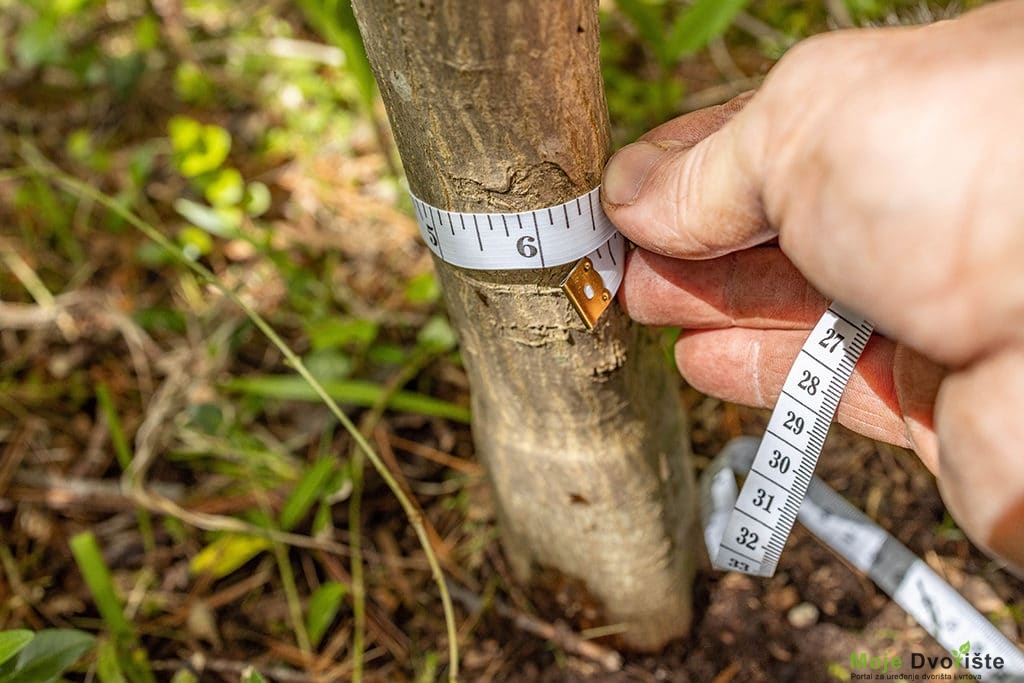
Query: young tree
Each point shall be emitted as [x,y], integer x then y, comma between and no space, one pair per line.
[499,107]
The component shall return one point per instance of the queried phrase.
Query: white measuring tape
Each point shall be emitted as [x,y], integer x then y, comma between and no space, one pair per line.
[745,530]
[768,505]
[577,230]
[911,583]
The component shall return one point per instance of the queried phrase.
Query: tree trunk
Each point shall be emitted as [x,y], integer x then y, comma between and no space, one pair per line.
[499,107]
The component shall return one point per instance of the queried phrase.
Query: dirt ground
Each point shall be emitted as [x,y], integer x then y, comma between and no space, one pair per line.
[803,623]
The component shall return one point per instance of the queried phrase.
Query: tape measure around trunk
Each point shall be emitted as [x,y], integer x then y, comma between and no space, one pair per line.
[767,506]
[912,584]
[577,230]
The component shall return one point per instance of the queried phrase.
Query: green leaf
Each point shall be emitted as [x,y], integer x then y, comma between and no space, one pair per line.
[184,675]
[66,8]
[184,133]
[702,23]
[198,148]
[965,648]
[142,162]
[324,604]
[334,332]
[437,336]
[309,489]
[251,675]
[226,188]
[423,289]
[223,221]
[47,656]
[227,553]
[257,199]
[648,21]
[123,72]
[11,642]
[39,43]
[335,21]
[351,392]
[192,85]
[147,32]
[195,243]
[328,364]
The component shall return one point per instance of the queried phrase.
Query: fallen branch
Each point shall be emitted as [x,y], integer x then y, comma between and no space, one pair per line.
[557,633]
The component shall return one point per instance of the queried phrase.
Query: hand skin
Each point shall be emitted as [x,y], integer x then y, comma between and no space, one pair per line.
[882,168]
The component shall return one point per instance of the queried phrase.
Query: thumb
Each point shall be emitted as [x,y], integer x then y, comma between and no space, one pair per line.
[691,187]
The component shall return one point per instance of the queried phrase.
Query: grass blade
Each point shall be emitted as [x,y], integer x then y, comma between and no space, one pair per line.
[323,608]
[702,23]
[101,584]
[131,657]
[309,489]
[348,392]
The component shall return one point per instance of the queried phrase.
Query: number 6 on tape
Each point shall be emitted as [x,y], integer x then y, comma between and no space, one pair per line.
[770,499]
[577,230]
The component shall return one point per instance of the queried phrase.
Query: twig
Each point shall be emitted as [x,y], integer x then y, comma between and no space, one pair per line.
[388,455]
[28,278]
[760,30]
[840,13]
[717,94]
[367,425]
[723,61]
[59,491]
[435,455]
[65,312]
[557,633]
[284,48]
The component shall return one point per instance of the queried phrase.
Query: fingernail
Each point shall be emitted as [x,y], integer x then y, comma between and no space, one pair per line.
[626,171]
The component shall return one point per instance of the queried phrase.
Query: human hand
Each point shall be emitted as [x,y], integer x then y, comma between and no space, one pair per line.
[887,165]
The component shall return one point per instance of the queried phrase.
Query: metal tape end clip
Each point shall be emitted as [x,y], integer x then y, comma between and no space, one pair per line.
[585,289]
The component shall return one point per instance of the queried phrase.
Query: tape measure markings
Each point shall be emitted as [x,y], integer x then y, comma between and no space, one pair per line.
[541,238]
[769,501]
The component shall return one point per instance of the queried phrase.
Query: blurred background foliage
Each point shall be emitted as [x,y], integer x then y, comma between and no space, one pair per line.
[151,439]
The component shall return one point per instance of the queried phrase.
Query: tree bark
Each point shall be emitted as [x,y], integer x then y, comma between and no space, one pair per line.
[499,107]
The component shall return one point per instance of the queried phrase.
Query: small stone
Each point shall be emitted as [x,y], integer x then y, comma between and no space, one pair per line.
[803,615]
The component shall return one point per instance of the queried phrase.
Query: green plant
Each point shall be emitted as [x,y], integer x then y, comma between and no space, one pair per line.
[433,342]
[41,657]
[123,658]
[670,34]
[200,153]
[334,20]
